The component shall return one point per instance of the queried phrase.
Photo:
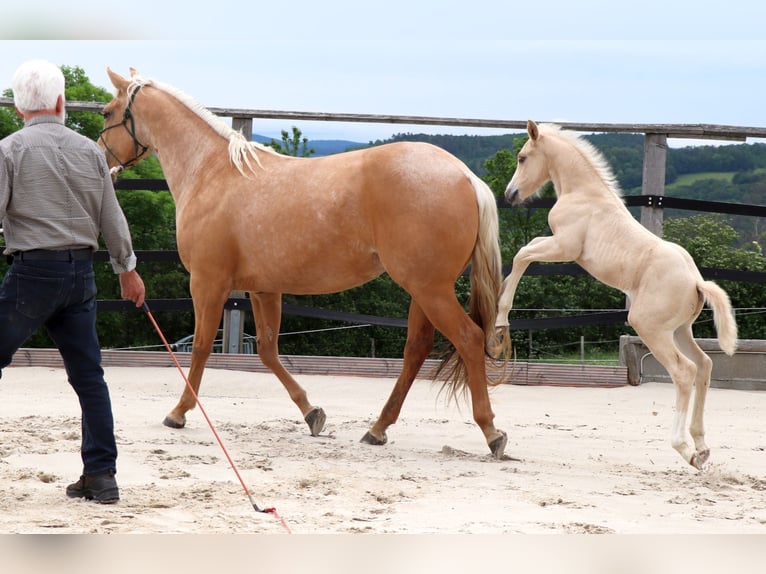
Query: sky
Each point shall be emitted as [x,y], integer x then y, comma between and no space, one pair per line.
[560,60]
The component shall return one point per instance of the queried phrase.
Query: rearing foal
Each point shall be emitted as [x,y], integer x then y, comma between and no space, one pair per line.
[592,226]
[251,219]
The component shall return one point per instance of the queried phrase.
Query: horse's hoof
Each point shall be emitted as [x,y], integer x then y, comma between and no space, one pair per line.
[700,458]
[315,419]
[497,446]
[174,424]
[369,438]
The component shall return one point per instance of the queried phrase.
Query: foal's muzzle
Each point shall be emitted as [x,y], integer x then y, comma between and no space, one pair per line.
[512,196]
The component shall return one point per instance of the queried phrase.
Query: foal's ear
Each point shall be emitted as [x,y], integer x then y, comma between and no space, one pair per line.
[532,130]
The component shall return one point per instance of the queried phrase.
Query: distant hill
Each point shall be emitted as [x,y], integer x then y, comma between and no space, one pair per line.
[321,147]
[744,165]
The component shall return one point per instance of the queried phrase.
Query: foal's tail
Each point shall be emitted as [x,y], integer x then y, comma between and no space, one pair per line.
[723,315]
[486,280]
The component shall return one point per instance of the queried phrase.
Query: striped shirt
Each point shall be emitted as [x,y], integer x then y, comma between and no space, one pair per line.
[56,193]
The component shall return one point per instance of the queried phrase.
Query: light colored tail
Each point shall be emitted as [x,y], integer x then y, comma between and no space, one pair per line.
[723,315]
[487,273]
[486,278]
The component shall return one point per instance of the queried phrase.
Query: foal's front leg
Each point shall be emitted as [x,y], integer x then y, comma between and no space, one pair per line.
[539,249]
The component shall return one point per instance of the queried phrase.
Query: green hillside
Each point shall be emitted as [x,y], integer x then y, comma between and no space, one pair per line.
[734,172]
[692,178]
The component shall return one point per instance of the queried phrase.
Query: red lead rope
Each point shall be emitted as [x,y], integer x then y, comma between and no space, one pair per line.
[212,427]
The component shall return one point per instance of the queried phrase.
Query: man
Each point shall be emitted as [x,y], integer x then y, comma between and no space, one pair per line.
[56,198]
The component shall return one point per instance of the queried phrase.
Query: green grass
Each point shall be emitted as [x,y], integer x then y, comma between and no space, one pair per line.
[594,357]
[691,178]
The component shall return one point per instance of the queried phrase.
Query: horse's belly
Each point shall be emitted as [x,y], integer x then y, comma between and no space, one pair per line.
[301,276]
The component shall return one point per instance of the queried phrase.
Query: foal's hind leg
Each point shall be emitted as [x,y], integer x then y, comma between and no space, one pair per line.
[683,372]
[691,349]
[267,309]
[420,342]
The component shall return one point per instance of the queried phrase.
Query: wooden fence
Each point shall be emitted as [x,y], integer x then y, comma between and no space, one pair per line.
[652,201]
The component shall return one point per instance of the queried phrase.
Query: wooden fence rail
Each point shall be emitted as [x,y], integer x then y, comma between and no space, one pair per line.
[690,131]
[655,156]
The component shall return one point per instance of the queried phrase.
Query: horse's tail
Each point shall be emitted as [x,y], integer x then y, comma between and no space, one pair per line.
[723,315]
[486,278]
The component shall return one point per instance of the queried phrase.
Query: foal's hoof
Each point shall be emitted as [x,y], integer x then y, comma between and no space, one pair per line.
[174,424]
[700,458]
[369,438]
[315,419]
[497,446]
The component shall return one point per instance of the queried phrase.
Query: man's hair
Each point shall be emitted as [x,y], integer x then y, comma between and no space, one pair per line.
[36,85]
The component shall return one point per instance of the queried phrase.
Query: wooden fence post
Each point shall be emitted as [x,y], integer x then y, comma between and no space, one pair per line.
[655,157]
[234,319]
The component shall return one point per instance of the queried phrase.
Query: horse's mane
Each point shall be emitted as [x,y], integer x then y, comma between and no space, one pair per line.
[589,152]
[241,150]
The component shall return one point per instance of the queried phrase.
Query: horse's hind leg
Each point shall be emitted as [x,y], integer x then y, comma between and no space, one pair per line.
[690,348]
[420,342]
[449,317]
[267,309]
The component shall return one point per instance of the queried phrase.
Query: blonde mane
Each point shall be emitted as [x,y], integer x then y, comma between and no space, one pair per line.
[241,150]
[592,155]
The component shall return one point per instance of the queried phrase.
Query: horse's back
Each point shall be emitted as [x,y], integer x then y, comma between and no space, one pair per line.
[317,225]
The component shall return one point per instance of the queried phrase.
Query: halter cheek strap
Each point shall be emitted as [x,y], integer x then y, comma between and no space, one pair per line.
[128,122]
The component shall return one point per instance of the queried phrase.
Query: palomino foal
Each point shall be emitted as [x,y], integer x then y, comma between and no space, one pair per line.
[592,227]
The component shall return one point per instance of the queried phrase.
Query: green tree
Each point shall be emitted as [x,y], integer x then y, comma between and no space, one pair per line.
[80,89]
[380,297]
[710,240]
[518,225]
[151,217]
[9,119]
[293,144]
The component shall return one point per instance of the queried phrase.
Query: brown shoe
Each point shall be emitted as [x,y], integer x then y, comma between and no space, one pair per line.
[99,487]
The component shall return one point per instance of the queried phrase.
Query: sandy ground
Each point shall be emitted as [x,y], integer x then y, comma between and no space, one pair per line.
[579,460]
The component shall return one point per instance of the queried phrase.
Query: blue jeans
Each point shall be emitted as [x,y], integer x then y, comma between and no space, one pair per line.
[62,297]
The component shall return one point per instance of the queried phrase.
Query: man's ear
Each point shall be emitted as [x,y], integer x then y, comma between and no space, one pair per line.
[60,106]
[18,112]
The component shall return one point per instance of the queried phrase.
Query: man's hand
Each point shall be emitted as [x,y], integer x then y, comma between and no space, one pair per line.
[132,287]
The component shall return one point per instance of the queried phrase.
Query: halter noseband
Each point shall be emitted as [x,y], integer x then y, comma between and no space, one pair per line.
[128,122]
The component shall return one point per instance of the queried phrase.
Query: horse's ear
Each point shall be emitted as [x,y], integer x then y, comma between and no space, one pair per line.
[532,130]
[133,72]
[117,80]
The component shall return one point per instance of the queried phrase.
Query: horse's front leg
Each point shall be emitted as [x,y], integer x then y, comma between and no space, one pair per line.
[267,309]
[207,316]
[539,249]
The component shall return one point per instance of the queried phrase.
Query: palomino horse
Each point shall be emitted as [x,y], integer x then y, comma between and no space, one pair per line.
[592,226]
[251,219]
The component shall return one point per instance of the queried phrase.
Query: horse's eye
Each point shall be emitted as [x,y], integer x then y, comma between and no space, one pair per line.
[106,114]
[522,158]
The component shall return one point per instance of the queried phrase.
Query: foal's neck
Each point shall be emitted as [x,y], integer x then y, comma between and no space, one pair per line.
[574,172]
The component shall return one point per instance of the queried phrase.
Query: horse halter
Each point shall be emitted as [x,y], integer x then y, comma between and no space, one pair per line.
[128,122]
